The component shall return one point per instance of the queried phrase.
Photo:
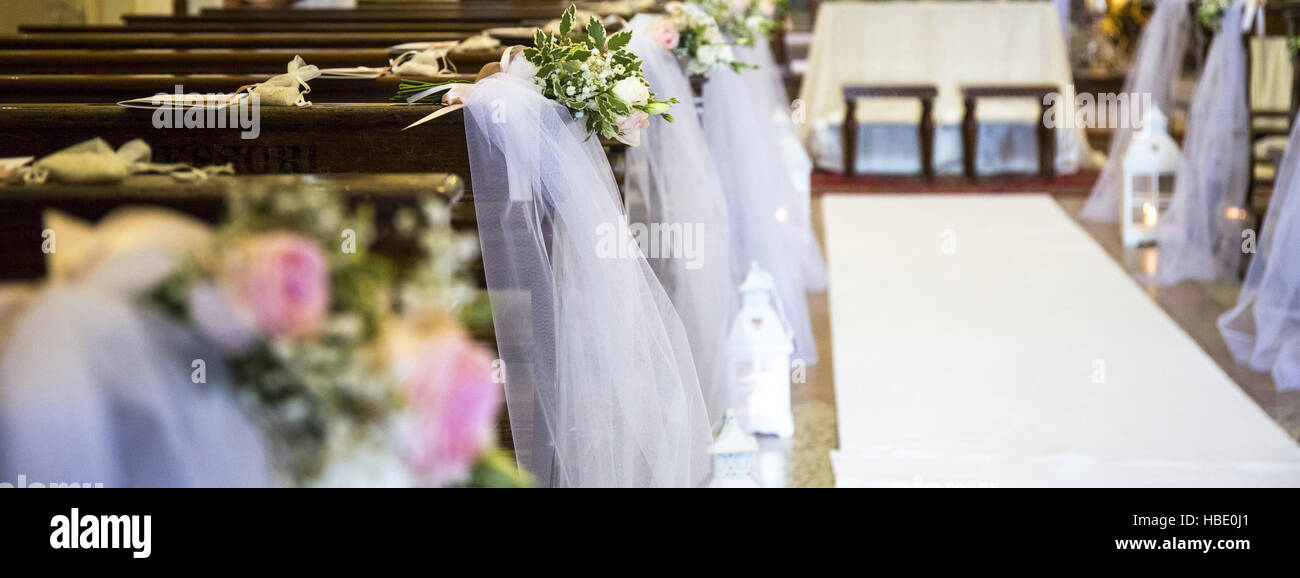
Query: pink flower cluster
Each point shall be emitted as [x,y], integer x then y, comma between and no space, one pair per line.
[454,404]
[665,33]
[274,285]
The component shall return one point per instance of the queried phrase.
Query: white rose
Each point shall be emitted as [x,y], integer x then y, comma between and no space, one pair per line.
[711,54]
[632,91]
[725,54]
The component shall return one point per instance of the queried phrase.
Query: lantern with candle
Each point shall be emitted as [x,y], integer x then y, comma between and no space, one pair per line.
[1149,168]
[733,456]
[761,343]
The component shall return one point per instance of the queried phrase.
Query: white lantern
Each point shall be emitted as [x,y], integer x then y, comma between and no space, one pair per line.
[733,456]
[761,346]
[1149,168]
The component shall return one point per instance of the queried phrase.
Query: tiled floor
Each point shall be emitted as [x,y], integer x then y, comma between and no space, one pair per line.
[804,460]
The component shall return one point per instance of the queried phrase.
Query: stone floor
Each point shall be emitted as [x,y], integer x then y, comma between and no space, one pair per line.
[804,461]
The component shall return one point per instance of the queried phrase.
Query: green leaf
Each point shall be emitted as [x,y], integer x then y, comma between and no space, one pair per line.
[496,470]
[596,33]
[539,38]
[566,21]
[620,40]
[579,55]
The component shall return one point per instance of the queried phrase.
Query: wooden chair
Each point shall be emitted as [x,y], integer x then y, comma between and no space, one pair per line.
[970,126]
[925,127]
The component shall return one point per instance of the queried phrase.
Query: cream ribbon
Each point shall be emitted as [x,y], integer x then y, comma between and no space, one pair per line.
[454,98]
[95,162]
[440,58]
[298,71]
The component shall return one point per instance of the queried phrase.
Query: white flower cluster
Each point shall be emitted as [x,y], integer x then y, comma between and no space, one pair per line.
[701,46]
[597,75]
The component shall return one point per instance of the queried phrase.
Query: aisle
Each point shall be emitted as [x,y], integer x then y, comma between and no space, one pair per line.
[988,341]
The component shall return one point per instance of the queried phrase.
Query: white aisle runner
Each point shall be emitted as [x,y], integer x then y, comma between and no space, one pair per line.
[989,341]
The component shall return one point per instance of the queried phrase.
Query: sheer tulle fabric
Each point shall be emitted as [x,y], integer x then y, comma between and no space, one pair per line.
[671,180]
[600,383]
[1199,237]
[1263,330]
[767,224]
[96,388]
[769,83]
[1155,69]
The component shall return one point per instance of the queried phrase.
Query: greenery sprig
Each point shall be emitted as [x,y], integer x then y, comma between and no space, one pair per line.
[408,88]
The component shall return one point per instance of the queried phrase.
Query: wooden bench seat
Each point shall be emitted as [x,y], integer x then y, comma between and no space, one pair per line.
[970,127]
[925,126]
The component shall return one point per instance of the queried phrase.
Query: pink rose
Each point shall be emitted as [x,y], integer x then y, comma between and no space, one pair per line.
[282,280]
[454,404]
[666,34]
[631,126]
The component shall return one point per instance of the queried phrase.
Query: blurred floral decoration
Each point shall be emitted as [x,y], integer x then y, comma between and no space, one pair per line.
[1210,13]
[357,364]
[1123,23]
[1105,35]
[744,22]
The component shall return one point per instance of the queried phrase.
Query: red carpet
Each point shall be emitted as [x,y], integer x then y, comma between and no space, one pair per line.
[1076,184]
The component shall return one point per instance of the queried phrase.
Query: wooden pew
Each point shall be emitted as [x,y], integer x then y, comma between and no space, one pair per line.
[457,13]
[105,40]
[110,88]
[320,139]
[257,26]
[21,206]
[480,19]
[206,62]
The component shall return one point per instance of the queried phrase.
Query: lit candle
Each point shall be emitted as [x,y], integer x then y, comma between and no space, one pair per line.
[1149,214]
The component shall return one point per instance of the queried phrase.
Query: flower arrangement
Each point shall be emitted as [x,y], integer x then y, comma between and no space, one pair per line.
[743,22]
[597,78]
[694,38]
[355,362]
[1122,23]
[1211,12]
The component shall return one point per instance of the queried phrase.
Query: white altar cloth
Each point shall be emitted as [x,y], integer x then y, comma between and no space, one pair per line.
[946,44]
